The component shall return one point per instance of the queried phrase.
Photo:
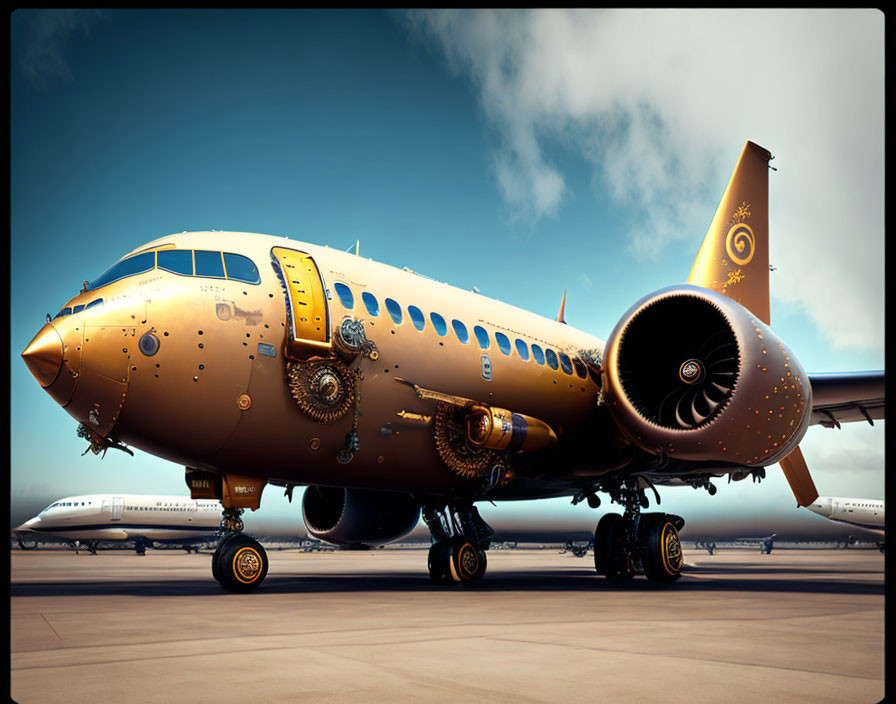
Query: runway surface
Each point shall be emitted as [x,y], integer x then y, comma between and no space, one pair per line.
[793,626]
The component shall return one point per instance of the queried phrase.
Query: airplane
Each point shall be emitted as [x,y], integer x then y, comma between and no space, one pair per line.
[252,359]
[145,519]
[865,513]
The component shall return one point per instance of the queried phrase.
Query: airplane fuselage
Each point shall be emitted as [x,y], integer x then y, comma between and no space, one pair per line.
[211,391]
[126,516]
[864,513]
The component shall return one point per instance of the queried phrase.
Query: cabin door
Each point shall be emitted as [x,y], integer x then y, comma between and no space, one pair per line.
[117,508]
[306,303]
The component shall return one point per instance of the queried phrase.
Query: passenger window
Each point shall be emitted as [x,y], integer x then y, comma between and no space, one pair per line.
[461,331]
[345,295]
[522,350]
[537,353]
[138,264]
[394,310]
[177,261]
[438,322]
[565,363]
[209,264]
[240,268]
[481,337]
[417,317]
[551,357]
[580,368]
[370,302]
[503,342]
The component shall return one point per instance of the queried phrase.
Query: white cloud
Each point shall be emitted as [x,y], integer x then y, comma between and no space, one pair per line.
[660,102]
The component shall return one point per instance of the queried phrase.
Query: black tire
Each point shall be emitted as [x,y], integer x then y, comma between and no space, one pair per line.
[439,568]
[240,564]
[30,542]
[610,555]
[661,553]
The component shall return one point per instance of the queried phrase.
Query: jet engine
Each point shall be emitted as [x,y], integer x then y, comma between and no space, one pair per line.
[358,517]
[692,374]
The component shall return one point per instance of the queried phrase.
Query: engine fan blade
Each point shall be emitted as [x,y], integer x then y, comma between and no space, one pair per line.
[698,417]
[683,423]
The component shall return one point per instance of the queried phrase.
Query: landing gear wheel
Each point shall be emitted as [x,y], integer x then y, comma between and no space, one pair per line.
[661,554]
[467,562]
[30,542]
[240,564]
[438,562]
[456,560]
[610,557]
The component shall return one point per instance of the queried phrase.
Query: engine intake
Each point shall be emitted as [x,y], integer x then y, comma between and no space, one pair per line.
[358,517]
[694,375]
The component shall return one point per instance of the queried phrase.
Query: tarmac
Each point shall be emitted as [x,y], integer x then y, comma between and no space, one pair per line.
[739,626]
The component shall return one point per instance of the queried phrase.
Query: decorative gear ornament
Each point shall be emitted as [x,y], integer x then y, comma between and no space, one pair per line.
[462,457]
[323,389]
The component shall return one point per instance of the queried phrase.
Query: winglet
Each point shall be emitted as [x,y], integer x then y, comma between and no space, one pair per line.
[561,312]
[733,258]
[797,473]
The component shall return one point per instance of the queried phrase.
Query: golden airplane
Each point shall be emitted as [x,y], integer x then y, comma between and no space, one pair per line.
[253,360]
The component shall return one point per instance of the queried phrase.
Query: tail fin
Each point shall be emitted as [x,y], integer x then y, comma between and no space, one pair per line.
[733,258]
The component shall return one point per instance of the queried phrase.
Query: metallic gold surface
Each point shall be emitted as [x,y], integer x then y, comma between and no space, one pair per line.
[43,355]
[733,258]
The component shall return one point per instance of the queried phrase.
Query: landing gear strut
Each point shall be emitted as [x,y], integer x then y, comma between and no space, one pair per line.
[636,543]
[460,539]
[239,564]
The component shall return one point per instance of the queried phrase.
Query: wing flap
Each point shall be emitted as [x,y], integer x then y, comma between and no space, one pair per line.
[847,398]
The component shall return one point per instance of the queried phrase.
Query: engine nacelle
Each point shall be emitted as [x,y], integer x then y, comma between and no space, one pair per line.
[694,375]
[358,517]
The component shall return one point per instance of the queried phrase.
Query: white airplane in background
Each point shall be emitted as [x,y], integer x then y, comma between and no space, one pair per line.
[865,513]
[115,517]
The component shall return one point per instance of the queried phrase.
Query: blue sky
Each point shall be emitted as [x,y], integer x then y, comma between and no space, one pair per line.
[523,153]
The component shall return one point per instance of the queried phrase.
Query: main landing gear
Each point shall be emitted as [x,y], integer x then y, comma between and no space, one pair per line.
[239,564]
[460,539]
[636,543]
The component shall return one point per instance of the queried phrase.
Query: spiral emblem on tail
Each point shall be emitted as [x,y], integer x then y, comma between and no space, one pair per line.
[740,243]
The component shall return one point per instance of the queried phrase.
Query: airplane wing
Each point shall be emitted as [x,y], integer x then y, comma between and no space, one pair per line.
[847,398]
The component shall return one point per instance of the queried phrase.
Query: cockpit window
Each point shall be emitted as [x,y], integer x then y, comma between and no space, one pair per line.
[177,261]
[78,308]
[94,303]
[64,312]
[209,264]
[137,264]
[239,268]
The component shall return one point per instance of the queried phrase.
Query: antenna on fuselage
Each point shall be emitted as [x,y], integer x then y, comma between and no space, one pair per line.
[560,313]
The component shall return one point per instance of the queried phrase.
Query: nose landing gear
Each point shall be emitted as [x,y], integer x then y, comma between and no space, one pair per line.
[239,564]
[460,539]
[636,543]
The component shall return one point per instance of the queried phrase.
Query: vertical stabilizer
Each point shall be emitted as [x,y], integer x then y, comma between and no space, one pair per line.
[733,258]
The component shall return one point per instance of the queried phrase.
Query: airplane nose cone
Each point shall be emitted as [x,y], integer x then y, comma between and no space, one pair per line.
[44,355]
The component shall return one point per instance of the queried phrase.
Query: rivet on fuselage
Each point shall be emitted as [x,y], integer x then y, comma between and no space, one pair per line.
[314,444]
[244,402]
